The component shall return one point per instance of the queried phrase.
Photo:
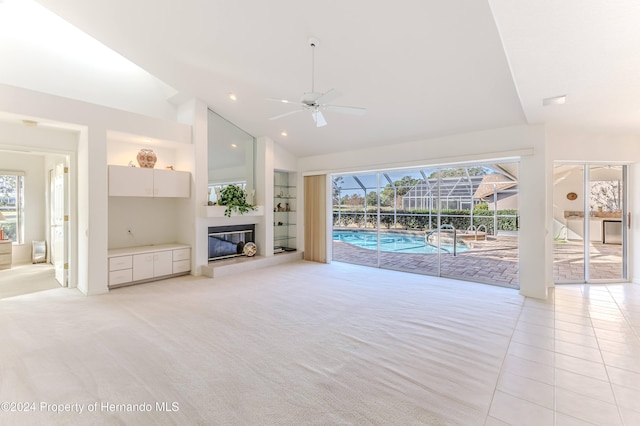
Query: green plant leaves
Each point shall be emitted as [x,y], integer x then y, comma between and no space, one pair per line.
[235,199]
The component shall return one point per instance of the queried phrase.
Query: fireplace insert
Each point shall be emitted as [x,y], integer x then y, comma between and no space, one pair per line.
[228,241]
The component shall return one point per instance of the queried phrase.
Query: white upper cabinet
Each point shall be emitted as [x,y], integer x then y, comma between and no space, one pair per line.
[127,181]
[130,181]
[171,183]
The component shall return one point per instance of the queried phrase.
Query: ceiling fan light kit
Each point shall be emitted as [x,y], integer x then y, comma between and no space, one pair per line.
[315,102]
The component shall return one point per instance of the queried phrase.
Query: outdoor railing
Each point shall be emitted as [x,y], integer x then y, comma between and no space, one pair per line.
[504,220]
[439,230]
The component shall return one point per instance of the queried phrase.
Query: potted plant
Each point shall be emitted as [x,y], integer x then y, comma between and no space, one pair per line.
[234,198]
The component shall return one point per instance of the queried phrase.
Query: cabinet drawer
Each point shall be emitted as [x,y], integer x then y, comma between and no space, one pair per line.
[182,254]
[5,248]
[120,262]
[181,266]
[120,277]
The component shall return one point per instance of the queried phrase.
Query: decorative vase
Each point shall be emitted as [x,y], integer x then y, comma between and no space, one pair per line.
[147,158]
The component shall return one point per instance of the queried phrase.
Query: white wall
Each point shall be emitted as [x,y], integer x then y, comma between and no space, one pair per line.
[524,142]
[150,220]
[192,222]
[121,153]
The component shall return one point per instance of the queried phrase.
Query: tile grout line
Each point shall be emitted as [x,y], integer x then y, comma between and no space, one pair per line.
[633,330]
[495,388]
[600,349]
[555,363]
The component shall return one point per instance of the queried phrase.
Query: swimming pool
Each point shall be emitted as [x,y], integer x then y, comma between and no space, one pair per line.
[400,243]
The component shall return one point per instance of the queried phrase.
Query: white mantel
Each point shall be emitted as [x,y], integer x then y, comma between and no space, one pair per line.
[215,216]
[218,211]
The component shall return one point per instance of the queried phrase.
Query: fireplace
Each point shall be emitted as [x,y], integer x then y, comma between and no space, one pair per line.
[228,241]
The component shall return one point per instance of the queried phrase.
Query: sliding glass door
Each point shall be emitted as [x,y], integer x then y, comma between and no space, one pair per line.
[458,222]
[355,220]
[590,223]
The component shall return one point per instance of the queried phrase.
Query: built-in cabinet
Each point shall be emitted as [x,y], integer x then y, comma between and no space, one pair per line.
[133,265]
[127,181]
[284,211]
[152,265]
[6,250]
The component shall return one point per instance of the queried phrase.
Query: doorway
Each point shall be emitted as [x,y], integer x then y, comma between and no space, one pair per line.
[590,222]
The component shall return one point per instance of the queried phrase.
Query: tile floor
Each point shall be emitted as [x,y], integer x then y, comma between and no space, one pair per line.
[574,359]
[307,343]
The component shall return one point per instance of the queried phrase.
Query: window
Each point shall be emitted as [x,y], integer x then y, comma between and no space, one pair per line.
[12,205]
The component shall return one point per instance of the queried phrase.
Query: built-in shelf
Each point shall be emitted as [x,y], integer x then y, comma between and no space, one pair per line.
[284,212]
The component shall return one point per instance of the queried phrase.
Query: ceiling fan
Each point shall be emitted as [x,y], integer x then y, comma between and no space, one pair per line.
[316,102]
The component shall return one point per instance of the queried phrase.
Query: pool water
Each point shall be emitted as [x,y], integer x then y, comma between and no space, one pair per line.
[392,242]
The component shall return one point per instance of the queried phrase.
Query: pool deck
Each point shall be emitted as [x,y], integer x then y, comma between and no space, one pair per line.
[494,261]
[605,261]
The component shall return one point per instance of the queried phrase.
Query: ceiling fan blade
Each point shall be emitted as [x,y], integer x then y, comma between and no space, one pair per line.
[283,101]
[318,118]
[328,96]
[344,109]
[286,114]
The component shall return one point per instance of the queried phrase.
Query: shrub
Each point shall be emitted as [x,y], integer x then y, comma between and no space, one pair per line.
[424,219]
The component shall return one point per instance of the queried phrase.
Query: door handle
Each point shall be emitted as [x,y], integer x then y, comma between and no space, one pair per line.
[629,220]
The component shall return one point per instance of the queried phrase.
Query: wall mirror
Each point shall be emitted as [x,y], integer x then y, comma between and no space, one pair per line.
[231,157]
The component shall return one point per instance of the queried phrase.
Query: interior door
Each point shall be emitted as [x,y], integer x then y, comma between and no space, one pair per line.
[59,224]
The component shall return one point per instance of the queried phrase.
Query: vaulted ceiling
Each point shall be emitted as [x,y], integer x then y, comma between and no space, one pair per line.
[421,68]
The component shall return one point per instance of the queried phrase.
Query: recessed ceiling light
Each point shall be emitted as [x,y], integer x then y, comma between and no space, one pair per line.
[233,96]
[556,100]
[233,145]
[147,140]
[284,133]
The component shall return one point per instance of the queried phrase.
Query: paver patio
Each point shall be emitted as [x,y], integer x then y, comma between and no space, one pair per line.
[605,261]
[494,261]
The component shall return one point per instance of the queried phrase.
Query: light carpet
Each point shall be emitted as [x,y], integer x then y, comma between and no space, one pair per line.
[302,343]
[27,278]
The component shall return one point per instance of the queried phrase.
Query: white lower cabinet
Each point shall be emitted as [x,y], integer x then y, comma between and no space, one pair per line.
[151,265]
[147,263]
[120,277]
